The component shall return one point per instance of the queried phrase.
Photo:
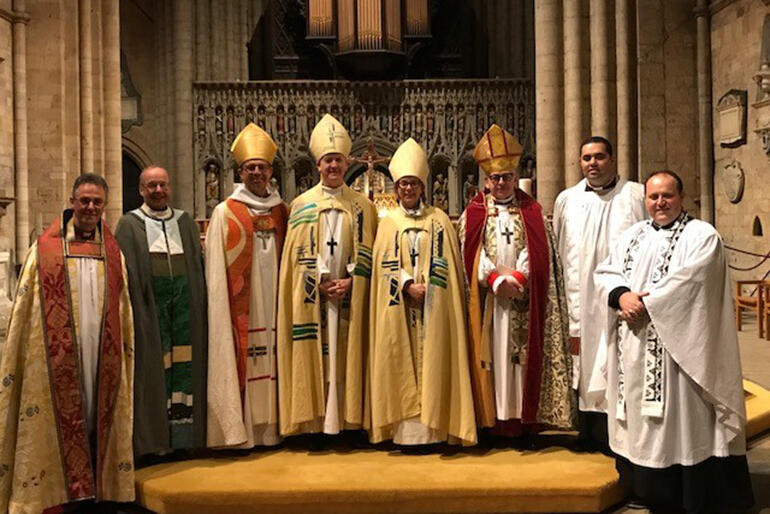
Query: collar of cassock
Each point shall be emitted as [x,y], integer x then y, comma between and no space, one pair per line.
[413,213]
[668,226]
[165,214]
[331,191]
[505,201]
[602,189]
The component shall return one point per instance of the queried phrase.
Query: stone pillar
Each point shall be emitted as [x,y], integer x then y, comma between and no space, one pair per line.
[182,106]
[231,40]
[202,40]
[574,91]
[112,151]
[455,202]
[549,101]
[218,30]
[20,156]
[600,70]
[86,87]
[705,142]
[626,92]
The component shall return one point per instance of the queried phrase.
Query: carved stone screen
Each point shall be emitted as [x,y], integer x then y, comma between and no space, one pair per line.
[447,117]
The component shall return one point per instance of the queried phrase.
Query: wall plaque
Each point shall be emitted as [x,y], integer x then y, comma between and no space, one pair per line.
[731,110]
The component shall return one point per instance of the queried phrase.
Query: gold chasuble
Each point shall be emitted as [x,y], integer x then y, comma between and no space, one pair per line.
[51,451]
[419,369]
[303,360]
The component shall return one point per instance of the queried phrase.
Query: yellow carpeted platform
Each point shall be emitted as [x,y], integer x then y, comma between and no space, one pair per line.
[295,481]
[757,408]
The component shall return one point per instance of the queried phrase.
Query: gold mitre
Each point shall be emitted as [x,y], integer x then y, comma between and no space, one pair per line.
[497,151]
[329,136]
[410,160]
[253,143]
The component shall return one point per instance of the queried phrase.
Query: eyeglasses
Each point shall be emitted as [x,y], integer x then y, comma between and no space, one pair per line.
[414,184]
[505,177]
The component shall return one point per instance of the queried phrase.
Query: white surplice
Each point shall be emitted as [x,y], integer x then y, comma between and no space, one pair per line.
[508,374]
[88,285]
[683,403]
[586,224]
[254,421]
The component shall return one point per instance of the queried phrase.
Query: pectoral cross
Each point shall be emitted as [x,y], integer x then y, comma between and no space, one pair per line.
[507,233]
[331,243]
[413,254]
[263,236]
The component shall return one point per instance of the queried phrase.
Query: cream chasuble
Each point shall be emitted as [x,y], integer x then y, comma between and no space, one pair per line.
[586,225]
[321,343]
[243,414]
[420,381]
[66,376]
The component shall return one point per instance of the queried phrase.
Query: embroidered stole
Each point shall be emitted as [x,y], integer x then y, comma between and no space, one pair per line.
[82,481]
[239,242]
[653,394]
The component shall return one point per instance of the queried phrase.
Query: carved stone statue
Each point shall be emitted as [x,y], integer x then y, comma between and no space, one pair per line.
[469,188]
[440,192]
[212,187]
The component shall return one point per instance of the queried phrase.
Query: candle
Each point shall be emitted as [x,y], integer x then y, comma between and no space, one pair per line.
[525,184]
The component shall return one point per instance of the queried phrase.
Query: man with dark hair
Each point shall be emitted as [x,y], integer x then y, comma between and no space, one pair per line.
[66,372]
[674,390]
[587,219]
[168,295]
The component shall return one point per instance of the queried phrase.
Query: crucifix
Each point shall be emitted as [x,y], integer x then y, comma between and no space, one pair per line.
[413,254]
[263,236]
[331,243]
[370,157]
[507,233]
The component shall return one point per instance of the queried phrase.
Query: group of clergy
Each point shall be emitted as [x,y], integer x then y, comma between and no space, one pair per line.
[317,318]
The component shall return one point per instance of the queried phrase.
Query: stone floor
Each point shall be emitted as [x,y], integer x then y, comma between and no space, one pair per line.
[755,357]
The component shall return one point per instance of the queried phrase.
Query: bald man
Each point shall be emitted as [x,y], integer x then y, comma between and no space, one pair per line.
[168,294]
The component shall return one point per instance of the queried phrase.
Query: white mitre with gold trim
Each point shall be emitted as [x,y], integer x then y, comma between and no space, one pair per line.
[253,143]
[329,136]
[410,160]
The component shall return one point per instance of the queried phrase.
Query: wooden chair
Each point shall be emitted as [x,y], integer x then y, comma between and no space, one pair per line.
[750,301]
[764,313]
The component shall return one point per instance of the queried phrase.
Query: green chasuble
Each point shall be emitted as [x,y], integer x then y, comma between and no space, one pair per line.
[168,295]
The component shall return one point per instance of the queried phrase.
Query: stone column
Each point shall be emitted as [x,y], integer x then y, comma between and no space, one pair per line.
[20,162]
[202,40]
[218,30]
[112,150]
[549,101]
[705,142]
[626,92]
[574,91]
[182,105]
[600,70]
[86,87]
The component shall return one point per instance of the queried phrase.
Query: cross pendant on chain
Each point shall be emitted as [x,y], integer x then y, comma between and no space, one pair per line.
[331,243]
[507,233]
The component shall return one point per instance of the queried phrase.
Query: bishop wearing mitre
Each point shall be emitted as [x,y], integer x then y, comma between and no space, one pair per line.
[324,296]
[420,383]
[520,360]
[243,250]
